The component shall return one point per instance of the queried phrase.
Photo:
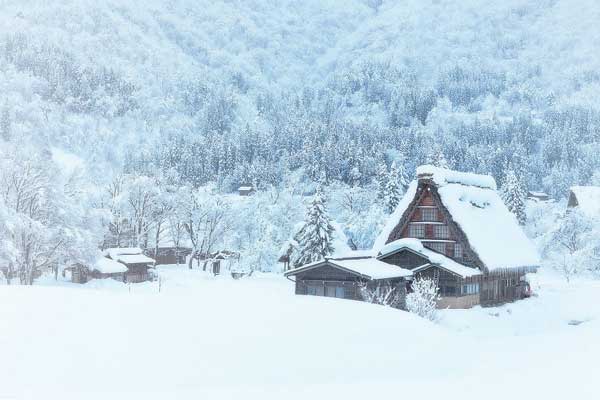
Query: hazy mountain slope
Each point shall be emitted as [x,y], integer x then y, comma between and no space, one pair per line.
[100,78]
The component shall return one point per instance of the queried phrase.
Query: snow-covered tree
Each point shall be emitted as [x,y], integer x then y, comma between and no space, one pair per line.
[5,123]
[206,222]
[423,298]
[315,238]
[393,191]
[383,294]
[514,194]
[381,179]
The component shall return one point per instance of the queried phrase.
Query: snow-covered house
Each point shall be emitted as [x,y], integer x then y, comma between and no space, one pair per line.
[586,199]
[453,227]
[137,263]
[345,277]
[102,268]
[246,190]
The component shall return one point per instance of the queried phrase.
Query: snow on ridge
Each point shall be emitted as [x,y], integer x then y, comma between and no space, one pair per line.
[394,217]
[106,265]
[443,176]
[366,266]
[434,257]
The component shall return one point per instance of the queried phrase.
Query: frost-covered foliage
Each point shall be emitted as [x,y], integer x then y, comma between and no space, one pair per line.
[47,220]
[393,189]
[514,194]
[423,298]
[315,238]
[171,98]
[383,294]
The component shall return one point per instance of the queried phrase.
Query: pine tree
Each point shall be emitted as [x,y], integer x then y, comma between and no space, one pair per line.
[513,193]
[403,178]
[5,124]
[381,179]
[393,192]
[316,236]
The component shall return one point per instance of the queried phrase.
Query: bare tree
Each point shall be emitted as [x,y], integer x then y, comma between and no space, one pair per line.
[384,294]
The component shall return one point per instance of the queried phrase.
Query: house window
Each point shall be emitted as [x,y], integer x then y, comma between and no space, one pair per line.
[335,291]
[429,214]
[441,231]
[440,247]
[416,230]
[470,288]
[448,290]
[315,290]
[458,250]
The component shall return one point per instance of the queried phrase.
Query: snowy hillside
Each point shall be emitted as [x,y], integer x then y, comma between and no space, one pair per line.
[222,338]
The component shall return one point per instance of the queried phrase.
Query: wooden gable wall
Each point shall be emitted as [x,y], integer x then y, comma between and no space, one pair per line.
[427,219]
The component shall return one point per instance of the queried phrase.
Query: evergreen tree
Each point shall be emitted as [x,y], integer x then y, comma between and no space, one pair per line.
[513,193]
[5,124]
[403,178]
[393,191]
[381,179]
[316,236]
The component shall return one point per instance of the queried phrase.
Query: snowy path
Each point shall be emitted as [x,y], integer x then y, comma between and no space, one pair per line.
[254,338]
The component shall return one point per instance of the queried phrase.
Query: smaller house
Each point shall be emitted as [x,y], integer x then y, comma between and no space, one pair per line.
[537,196]
[246,190]
[137,263]
[344,277]
[102,268]
[586,199]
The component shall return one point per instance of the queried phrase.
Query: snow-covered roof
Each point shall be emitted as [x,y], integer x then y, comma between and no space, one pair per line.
[105,265]
[245,188]
[434,258]
[588,200]
[492,231]
[442,176]
[395,217]
[367,267]
[114,252]
[135,259]
[129,255]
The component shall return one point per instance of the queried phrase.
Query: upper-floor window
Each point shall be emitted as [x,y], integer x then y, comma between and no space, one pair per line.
[429,214]
[416,230]
[440,247]
[441,231]
[458,250]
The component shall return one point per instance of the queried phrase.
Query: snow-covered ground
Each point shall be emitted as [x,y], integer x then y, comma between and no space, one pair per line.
[207,337]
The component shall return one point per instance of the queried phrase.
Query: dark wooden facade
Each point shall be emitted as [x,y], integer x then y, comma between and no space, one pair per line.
[82,274]
[329,281]
[169,255]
